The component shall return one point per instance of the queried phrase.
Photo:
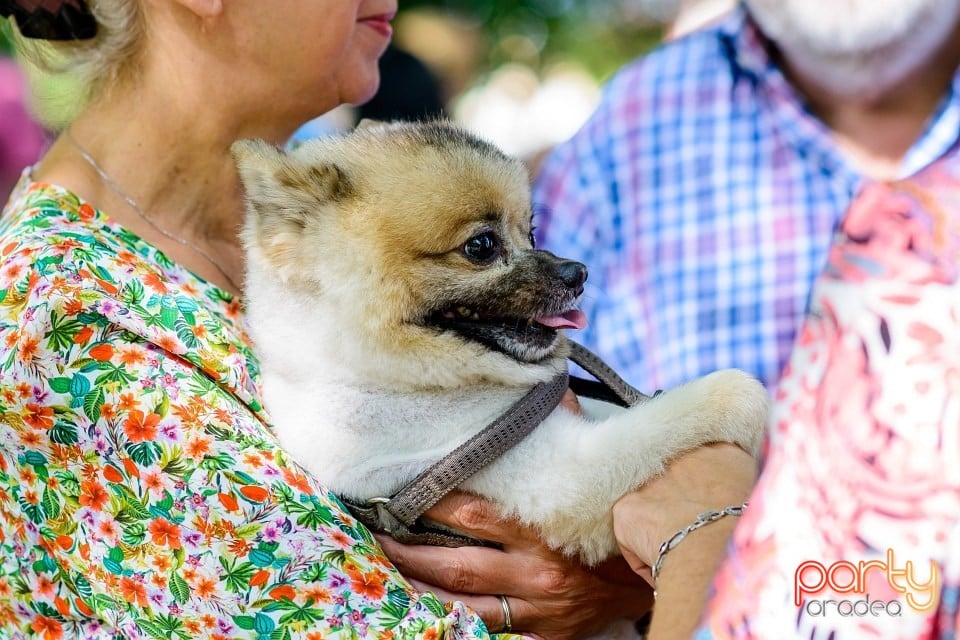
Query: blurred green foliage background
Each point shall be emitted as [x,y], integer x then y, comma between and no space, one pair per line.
[600,35]
[5,46]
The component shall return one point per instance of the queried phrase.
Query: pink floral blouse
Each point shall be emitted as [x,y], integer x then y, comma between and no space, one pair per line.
[142,493]
[854,529]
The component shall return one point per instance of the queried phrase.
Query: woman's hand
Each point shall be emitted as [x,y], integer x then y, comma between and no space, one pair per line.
[708,478]
[550,596]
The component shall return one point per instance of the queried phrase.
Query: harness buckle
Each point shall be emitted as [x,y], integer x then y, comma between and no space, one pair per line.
[386,521]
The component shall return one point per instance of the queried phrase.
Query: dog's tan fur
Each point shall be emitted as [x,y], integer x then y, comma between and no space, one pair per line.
[356,246]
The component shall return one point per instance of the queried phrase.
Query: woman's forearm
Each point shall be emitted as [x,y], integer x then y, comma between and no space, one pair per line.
[689,496]
[685,578]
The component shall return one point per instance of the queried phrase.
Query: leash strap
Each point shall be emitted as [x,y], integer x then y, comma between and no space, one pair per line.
[399,515]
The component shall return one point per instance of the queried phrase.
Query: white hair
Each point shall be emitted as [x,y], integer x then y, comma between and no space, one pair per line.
[856,48]
[99,62]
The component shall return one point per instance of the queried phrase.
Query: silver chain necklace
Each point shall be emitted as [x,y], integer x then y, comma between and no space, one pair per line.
[107,180]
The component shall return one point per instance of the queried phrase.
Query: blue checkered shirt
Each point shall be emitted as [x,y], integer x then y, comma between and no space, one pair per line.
[703,196]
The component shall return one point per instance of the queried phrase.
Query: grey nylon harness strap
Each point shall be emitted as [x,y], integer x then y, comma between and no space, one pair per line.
[400,514]
[479,451]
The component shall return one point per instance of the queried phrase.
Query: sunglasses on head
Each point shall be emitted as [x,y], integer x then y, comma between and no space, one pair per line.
[51,19]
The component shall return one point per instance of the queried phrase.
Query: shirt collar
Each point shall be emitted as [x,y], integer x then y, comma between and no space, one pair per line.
[745,44]
[941,133]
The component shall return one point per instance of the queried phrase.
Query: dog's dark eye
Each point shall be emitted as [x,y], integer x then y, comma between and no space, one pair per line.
[533,238]
[483,247]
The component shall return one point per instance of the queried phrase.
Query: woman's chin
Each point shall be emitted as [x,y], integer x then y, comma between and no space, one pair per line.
[360,92]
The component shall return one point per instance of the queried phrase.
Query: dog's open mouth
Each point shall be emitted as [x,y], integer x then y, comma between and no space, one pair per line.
[527,339]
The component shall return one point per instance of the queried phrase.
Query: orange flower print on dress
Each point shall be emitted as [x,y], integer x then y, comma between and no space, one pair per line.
[28,348]
[45,586]
[127,402]
[198,447]
[161,563]
[206,587]
[48,628]
[297,480]
[93,495]
[368,584]
[165,533]
[107,411]
[133,591]
[154,281]
[141,428]
[38,417]
[168,343]
[132,356]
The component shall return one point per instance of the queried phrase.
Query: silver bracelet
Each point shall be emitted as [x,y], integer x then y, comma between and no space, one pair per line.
[704,518]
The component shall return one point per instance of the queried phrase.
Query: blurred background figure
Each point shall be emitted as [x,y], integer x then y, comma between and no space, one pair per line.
[409,90]
[21,138]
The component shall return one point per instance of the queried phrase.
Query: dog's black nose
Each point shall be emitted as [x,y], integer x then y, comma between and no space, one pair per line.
[573,274]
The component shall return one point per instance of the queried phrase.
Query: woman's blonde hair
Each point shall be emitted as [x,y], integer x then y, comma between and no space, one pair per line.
[95,63]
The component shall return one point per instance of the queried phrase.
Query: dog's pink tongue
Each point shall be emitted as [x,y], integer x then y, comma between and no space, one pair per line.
[568,320]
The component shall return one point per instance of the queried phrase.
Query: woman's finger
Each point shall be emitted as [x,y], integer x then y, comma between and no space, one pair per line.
[479,518]
[570,402]
[461,570]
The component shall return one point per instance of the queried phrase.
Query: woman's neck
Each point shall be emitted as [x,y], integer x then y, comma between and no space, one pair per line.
[177,170]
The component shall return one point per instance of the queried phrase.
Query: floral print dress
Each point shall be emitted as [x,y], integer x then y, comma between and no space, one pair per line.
[853,531]
[142,494]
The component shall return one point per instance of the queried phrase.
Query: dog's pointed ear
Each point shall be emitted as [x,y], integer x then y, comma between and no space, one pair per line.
[285,196]
[285,189]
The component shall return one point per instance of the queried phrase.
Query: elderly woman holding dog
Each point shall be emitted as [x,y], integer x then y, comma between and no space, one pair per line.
[142,493]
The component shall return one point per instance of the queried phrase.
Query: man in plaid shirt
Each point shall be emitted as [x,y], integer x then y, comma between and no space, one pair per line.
[704,192]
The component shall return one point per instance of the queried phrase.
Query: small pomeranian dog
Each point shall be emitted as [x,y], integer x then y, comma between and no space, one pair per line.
[399,306]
